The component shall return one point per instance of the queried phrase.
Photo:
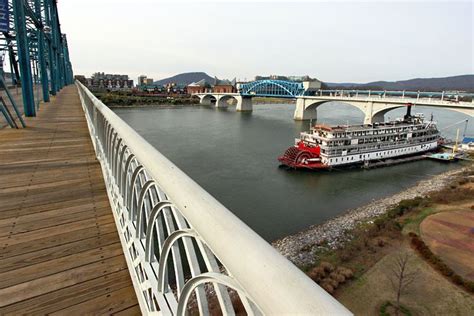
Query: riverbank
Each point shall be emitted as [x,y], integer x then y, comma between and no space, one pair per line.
[153,105]
[129,99]
[301,247]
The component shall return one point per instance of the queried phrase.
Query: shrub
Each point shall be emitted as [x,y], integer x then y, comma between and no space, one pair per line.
[338,277]
[457,279]
[469,285]
[452,194]
[327,267]
[333,282]
[317,274]
[347,273]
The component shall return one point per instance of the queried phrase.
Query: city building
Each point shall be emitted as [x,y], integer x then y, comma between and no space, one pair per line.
[224,86]
[216,86]
[144,81]
[100,80]
[286,78]
[141,80]
[200,86]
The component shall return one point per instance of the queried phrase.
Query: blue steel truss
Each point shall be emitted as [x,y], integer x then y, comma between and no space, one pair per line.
[30,34]
[272,88]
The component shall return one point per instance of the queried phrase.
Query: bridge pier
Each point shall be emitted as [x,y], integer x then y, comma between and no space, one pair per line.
[377,117]
[244,104]
[302,113]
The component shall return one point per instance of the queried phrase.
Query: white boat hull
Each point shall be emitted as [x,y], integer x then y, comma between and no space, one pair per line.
[378,155]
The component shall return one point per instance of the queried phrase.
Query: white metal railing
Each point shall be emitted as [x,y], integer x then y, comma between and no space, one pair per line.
[186,252]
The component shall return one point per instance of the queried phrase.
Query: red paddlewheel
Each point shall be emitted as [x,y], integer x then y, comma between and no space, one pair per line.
[302,157]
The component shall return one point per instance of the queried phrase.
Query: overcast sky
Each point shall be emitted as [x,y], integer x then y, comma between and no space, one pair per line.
[334,41]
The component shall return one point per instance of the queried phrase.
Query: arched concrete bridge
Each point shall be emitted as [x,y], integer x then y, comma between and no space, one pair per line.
[374,108]
[374,104]
[244,103]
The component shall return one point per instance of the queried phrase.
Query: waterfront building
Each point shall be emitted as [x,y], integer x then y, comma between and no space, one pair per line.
[141,80]
[144,81]
[216,86]
[200,86]
[224,86]
[100,80]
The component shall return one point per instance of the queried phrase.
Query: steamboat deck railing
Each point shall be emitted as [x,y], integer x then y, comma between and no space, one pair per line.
[186,252]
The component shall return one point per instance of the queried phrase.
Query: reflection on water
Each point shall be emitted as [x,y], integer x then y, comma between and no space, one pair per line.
[233,156]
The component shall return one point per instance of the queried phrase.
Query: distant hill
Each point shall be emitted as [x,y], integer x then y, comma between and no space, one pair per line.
[463,83]
[185,78]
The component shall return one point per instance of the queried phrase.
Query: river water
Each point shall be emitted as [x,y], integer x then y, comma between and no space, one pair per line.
[233,156]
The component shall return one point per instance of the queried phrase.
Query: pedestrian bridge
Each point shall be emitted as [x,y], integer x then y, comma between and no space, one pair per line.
[94,220]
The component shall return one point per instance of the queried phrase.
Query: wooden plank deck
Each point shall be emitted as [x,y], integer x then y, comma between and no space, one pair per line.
[59,248]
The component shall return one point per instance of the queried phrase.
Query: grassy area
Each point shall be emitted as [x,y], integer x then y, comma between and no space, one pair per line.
[256,100]
[430,294]
[374,244]
[412,223]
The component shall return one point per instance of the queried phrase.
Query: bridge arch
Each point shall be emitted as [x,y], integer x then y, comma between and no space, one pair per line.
[306,109]
[378,112]
[315,105]
[275,88]
[222,100]
[207,99]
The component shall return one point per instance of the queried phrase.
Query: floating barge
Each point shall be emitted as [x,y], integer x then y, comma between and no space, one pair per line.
[444,157]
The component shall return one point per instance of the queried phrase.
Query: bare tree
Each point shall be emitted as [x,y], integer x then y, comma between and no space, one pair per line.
[402,275]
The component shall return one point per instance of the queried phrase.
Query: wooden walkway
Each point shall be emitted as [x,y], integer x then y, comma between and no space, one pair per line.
[59,248]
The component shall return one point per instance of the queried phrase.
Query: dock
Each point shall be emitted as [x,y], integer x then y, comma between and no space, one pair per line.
[60,252]
[393,161]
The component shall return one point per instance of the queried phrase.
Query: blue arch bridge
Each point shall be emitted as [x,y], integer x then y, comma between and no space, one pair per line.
[374,104]
[272,88]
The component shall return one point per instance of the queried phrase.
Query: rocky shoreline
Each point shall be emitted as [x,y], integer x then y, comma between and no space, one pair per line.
[300,248]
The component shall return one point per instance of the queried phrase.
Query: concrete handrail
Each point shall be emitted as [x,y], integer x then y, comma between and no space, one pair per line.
[271,283]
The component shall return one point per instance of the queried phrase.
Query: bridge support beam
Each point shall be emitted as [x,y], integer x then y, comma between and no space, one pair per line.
[369,118]
[244,104]
[302,113]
